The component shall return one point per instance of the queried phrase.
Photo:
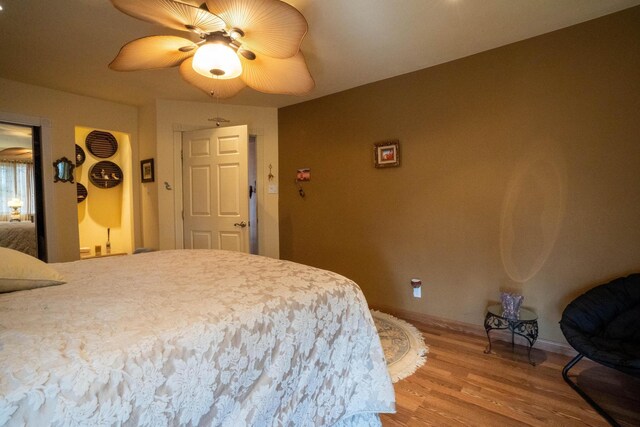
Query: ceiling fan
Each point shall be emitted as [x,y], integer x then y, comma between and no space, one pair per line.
[253,43]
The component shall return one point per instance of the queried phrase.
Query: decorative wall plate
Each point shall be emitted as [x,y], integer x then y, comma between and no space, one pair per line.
[80,155]
[101,144]
[105,174]
[82,192]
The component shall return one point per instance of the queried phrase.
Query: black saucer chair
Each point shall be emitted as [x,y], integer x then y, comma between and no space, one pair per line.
[603,325]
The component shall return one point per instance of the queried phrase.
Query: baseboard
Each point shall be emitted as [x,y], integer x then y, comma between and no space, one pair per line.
[469,328]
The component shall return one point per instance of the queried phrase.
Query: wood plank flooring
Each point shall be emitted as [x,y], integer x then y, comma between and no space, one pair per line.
[461,386]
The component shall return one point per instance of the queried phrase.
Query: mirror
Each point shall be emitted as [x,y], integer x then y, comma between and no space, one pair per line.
[63,170]
[20,189]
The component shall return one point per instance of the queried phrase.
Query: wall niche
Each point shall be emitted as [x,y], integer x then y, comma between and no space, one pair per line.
[106,172]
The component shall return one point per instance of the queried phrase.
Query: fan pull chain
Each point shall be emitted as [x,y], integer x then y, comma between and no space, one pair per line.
[217,117]
[217,108]
[218,120]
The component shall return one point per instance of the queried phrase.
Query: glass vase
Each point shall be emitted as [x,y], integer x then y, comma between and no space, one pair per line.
[511,305]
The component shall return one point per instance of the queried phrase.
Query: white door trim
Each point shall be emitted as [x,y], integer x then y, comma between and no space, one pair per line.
[177,189]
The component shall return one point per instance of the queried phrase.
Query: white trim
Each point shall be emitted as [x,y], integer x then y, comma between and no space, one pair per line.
[177,189]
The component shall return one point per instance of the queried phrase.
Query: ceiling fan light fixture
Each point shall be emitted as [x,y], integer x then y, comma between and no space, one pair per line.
[254,43]
[217,60]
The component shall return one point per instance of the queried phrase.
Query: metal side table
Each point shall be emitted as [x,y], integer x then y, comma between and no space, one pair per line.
[526,326]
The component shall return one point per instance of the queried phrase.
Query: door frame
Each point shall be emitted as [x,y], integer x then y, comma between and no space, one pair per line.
[176,187]
[44,193]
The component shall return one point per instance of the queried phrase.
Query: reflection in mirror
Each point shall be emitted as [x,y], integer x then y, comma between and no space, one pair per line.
[63,170]
[17,190]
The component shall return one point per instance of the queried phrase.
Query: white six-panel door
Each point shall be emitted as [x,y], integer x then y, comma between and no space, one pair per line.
[215,193]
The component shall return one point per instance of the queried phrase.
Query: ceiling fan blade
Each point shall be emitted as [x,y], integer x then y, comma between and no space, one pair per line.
[274,75]
[271,27]
[172,14]
[222,88]
[152,52]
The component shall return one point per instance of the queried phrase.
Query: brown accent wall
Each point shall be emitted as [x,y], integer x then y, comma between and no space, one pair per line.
[520,169]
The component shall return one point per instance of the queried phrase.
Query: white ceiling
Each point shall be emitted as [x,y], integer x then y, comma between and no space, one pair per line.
[15,142]
[14,136]
[67,44]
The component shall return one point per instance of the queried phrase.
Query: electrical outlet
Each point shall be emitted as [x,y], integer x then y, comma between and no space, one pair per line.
[416,284]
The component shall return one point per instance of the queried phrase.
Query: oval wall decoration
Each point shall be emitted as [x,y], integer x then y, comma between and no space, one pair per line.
[105,174]
[82,192]
[101,144]
[80,155]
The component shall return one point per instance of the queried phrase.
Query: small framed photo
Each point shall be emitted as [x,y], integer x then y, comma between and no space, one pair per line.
[146,170]
[386,154]
[303,174]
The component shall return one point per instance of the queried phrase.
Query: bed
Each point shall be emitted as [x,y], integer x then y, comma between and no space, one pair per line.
[191,337]
[20,236]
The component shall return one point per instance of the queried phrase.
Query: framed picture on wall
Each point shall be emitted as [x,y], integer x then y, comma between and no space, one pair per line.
[303,174]
[386,154]
[146,170]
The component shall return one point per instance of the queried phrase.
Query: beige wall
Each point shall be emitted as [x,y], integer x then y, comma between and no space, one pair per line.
[59,114]
[154,207]
[149,190]
[175,116]
[520,170]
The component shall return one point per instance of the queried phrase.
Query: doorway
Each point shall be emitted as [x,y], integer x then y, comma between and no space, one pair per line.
[216,189]
[21,190]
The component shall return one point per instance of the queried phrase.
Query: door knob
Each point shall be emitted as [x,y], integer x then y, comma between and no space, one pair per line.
[240,224]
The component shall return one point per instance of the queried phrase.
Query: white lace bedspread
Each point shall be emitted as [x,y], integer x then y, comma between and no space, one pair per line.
[191,338]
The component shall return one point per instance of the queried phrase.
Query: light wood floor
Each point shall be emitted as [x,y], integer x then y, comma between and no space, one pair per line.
[460,385]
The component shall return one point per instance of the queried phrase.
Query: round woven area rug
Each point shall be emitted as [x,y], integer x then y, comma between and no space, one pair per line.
[403,345]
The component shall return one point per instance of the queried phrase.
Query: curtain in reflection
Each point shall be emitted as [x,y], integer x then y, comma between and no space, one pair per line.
[16,181]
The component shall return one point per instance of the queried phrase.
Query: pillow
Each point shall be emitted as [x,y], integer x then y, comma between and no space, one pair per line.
[19,271]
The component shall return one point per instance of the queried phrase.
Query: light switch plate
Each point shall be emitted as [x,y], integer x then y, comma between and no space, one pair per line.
[273,189]
[417,292]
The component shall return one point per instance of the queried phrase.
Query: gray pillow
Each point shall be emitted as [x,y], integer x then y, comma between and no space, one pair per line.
[19,271]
